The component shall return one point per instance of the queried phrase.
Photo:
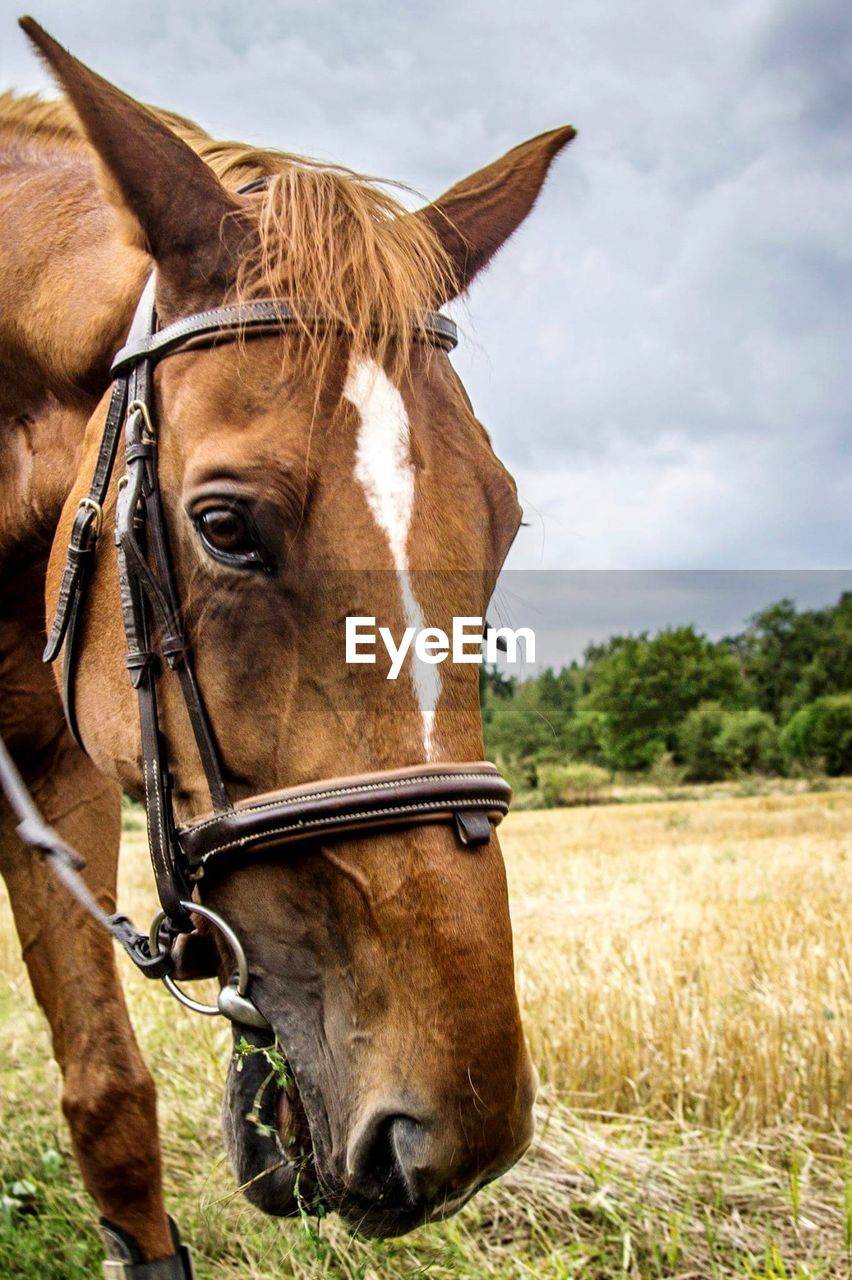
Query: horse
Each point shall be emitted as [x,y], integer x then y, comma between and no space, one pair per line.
[324,464]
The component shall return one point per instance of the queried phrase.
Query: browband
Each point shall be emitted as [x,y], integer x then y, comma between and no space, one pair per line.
[473,795]
[267,315]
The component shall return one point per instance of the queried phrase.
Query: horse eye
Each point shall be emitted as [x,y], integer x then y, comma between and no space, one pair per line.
[230,536]
[226,530]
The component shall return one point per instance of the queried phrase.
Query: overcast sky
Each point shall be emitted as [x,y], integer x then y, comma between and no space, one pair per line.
[663,354]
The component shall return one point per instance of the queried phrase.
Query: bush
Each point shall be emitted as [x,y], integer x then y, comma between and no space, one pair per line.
[575,783]
[820,735]
[747,742]
[715,743]
[697,743]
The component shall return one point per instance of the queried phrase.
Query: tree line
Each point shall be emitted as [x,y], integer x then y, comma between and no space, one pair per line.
[776,699]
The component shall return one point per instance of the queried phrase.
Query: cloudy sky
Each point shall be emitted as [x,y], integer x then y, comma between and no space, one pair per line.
[663,354]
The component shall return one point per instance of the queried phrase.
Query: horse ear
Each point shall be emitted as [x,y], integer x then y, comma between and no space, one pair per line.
[477,216]
[173,203]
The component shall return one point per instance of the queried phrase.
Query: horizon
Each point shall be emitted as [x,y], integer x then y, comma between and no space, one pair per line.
[571,609]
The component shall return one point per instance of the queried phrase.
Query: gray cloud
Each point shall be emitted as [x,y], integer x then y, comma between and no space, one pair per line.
[662,352]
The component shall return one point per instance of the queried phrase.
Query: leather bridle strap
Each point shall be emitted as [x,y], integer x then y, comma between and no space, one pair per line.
[254,319]
[148,597]
[473,796]
[86,526]
[85,531]
[141,450]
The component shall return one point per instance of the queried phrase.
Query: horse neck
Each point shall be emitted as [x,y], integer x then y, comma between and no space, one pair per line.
[68,287]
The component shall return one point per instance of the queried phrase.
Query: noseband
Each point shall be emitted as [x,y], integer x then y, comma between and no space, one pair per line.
[471,796]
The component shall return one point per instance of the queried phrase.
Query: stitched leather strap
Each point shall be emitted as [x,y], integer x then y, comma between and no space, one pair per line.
[86,530]
[149,599]
[475,796]
[267,315]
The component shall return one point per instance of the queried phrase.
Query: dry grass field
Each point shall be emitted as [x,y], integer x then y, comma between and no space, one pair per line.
[686,976]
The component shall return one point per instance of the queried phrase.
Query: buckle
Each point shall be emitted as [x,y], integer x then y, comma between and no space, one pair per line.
[140,406]
[91,504]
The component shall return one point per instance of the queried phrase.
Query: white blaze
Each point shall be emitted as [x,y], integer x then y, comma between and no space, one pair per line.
[384,469]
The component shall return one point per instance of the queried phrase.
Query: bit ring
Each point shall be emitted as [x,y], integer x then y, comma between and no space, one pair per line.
[234,1002]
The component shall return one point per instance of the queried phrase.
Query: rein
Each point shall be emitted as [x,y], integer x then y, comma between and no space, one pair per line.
[471,795]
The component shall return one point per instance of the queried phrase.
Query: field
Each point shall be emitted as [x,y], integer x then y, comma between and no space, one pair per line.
[685,971]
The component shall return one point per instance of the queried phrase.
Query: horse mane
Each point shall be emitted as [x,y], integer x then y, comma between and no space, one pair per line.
[325,233]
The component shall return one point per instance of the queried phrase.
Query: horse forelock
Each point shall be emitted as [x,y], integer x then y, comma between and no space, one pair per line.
[320,232]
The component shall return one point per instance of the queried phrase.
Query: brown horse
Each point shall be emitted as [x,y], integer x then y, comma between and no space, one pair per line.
[386,962]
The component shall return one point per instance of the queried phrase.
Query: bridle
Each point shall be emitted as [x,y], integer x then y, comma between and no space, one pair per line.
[472,796]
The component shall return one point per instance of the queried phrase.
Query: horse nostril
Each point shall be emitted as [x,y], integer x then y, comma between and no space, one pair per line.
[386,1159]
